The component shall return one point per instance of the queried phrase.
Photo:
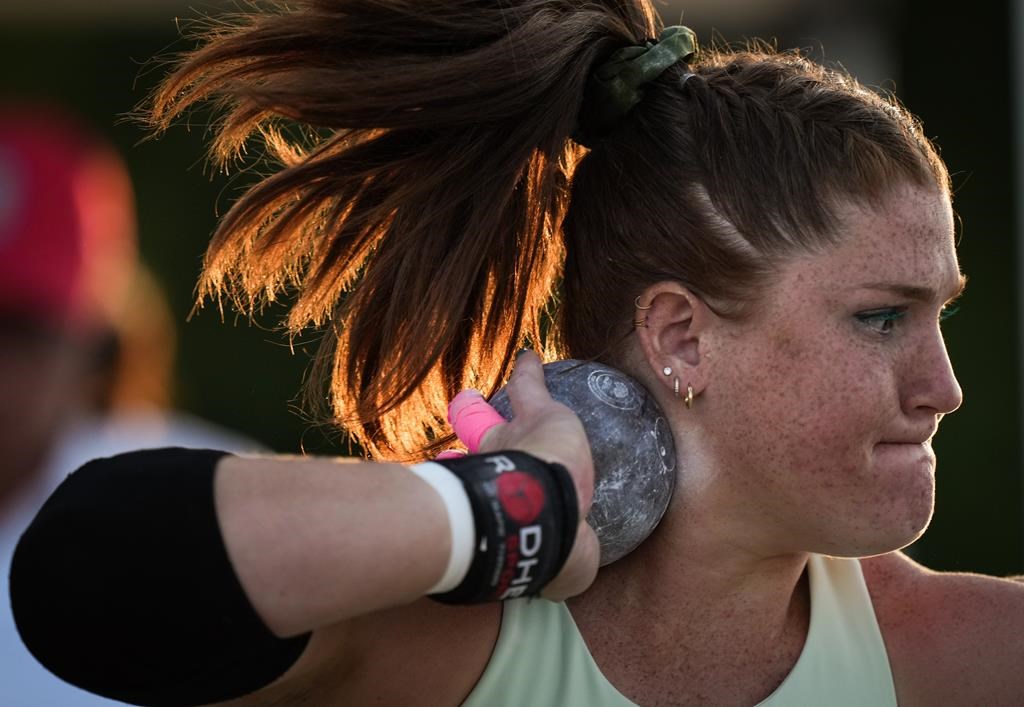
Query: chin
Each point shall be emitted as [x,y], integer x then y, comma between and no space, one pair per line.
[906,503]
[906,533]
[888,522]
[916,523]
[911,526]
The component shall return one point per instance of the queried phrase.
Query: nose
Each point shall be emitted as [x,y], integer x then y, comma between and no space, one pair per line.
[934,386]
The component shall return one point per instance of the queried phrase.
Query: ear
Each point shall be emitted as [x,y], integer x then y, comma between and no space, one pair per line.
[675,334]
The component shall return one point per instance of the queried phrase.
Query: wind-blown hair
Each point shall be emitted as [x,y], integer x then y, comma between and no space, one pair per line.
[439,215]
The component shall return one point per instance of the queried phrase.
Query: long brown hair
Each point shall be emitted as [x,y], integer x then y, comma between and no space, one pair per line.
[425,220]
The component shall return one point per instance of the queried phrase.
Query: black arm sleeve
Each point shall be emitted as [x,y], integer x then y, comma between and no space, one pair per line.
[122,586]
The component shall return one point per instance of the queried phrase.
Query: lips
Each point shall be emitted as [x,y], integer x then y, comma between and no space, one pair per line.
[919,451]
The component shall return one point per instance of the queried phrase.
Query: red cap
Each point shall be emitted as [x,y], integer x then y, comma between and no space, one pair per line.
[67,221]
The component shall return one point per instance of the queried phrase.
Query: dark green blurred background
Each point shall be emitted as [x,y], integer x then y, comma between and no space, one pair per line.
[952,69]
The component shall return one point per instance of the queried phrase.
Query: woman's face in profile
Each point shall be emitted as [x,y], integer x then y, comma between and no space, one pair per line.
[830,394]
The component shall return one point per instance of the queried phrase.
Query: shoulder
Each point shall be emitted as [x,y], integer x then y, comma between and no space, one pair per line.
[952,638]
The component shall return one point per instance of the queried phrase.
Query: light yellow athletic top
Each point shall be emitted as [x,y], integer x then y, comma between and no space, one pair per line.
[540,659]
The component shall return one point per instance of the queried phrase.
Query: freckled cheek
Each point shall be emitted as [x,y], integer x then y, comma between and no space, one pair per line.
[824,415]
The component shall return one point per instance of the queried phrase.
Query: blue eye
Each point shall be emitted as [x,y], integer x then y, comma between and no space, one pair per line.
[881,321]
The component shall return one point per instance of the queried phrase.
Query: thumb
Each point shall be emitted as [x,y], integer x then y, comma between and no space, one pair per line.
[526,387]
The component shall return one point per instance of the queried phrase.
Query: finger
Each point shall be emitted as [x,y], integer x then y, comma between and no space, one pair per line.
[526,388]
[471,418]
[450,454]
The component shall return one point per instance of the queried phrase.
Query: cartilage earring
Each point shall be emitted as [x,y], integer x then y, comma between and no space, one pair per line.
[667,371]
[688,400]
[640,322]
[675,387]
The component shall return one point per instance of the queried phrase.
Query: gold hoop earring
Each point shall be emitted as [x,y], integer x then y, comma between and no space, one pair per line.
[636,303]
[688,400]
[640,323]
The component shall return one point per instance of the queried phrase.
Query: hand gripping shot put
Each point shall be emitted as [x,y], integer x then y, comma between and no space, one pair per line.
[630,441]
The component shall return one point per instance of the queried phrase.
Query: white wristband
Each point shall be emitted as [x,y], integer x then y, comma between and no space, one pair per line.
[460,521]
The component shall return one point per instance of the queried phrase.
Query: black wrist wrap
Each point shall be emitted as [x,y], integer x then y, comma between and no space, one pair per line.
[525,512]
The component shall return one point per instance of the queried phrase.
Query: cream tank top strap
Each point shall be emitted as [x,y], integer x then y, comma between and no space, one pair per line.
[541,660]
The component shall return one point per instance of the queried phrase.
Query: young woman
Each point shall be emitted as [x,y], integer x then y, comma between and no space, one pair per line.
[764,244]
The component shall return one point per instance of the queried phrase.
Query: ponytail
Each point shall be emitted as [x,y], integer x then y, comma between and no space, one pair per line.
[420,223]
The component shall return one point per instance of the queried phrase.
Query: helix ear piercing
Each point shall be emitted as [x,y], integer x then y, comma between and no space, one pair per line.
[638,322]
[667,371]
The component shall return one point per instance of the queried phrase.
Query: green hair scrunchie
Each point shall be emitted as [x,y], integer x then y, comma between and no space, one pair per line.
[616,86]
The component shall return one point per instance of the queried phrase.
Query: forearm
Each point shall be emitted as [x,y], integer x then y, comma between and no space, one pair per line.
[317,541]
[125,584]
[176,577]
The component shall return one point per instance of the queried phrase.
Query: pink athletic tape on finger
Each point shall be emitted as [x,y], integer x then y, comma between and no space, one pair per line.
[471,417]
[450,454]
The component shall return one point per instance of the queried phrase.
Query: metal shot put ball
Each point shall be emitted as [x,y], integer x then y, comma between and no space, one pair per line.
[631,443]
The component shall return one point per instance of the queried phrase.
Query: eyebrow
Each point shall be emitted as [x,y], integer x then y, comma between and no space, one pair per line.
[914,292]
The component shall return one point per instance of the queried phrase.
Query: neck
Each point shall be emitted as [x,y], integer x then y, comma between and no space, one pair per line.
[703,604]
[692,564]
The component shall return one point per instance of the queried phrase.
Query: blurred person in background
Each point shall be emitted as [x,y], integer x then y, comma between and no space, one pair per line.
[87,343]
